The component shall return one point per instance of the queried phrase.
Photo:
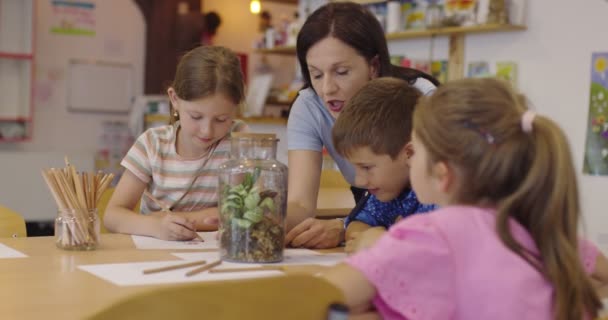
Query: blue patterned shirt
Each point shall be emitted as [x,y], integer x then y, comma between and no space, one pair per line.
[383,214]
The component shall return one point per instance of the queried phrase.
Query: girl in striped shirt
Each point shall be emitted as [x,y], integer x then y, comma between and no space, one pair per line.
[172,169]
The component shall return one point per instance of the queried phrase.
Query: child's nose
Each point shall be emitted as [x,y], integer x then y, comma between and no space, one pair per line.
[207,130]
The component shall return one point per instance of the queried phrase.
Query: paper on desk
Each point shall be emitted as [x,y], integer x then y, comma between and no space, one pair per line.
[131,274]
[291,257]
[7,252]
[143,242]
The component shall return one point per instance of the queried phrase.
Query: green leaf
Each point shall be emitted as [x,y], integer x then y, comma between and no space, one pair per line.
[230,205]
[246,224]
[256,174]
[267,203]
[254,216]
[252,200]
[248,181]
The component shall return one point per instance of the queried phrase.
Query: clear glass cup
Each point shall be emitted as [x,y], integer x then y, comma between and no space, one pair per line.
[77,229]
[252,201]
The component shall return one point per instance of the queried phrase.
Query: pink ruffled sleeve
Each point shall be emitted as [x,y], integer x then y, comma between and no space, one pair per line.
[412,271]
[588,253]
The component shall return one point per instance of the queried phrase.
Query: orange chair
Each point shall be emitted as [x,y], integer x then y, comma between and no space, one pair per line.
[103,204]
[11,224]
[294,297]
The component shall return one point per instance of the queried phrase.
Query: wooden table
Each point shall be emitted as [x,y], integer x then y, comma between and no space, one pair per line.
[48,284]
[334,202]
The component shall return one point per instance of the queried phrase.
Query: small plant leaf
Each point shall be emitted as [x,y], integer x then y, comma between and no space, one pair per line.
[243,223]
[254,216]
[252,200]
[267,203]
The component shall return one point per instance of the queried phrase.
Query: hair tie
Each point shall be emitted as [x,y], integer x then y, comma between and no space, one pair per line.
[526,121]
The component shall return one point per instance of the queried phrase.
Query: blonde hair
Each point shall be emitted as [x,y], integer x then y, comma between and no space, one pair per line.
[207,70]
[475,125]
[379,116]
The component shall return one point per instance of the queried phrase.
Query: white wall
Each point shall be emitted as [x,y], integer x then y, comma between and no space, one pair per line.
[554,58]
[120,37]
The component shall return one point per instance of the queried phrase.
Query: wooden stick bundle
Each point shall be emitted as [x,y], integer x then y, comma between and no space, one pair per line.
[76,195]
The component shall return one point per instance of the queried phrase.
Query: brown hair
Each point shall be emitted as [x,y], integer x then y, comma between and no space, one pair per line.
[379,116]
[354,25]
[475,126]
[207,70]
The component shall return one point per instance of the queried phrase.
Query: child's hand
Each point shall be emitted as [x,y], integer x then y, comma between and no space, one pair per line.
[362,240]
[176,227]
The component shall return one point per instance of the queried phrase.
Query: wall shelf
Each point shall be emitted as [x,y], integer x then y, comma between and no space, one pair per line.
[264,120]
[448,31]
[17,56]
[286,50]
[456,34]
[157,117]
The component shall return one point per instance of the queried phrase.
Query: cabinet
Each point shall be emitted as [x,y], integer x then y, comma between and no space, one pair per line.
[16,69]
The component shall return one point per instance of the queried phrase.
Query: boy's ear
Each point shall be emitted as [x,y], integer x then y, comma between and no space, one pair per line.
[408,152]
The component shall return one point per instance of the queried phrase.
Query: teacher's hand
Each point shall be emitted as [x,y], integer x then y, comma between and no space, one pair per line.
[316,234]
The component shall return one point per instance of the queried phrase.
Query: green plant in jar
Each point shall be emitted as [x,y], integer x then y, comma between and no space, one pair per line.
[249,231]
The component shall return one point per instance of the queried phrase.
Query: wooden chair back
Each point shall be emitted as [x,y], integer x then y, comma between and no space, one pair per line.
[11,224]
[294,297]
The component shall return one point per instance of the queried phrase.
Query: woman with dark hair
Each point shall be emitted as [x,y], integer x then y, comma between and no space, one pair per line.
[340,47]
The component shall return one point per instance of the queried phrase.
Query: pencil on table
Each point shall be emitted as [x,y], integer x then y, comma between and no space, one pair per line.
[175,267]
[203,268]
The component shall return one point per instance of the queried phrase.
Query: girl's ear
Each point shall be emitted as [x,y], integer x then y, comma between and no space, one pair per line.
[173,97]
[374,65]
[444,176]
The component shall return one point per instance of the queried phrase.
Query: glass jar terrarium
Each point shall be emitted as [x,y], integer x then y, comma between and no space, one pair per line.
[252,201]
[77,229]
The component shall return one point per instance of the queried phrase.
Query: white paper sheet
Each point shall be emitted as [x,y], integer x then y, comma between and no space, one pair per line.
[131,274]
[142,242]
[7,252]
[291,257]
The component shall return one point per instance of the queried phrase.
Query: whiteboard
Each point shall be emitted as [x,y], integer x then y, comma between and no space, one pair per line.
[98,86]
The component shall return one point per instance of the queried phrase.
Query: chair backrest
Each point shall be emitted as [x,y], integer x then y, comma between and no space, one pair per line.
[103,204]
[291,297]
[11,224]
[331,178]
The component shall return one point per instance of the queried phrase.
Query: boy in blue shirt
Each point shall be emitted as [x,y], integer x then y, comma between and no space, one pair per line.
[374,133]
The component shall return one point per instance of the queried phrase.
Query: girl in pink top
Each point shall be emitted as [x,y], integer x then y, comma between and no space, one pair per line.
[505,243]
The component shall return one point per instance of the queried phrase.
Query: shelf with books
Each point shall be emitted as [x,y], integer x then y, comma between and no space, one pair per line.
[457,44]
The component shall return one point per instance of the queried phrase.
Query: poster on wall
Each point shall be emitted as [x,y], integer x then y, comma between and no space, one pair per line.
[73,18]
[596,147]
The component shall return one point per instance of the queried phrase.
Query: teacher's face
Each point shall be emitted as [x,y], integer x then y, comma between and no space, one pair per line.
[337,72]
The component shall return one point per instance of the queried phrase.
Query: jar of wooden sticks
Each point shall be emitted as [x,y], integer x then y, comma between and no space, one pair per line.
[77,229]
[76,194]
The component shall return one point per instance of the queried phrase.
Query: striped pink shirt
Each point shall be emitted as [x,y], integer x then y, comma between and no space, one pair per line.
[154,160]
